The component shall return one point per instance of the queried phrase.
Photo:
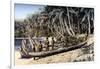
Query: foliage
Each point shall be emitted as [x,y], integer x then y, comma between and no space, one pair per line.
[57,21]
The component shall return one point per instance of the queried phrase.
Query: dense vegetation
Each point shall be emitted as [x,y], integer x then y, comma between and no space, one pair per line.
[57,21]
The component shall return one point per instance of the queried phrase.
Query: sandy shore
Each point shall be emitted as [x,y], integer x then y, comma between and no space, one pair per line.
[59,58]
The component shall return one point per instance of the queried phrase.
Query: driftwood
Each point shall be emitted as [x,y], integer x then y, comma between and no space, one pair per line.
[60,50]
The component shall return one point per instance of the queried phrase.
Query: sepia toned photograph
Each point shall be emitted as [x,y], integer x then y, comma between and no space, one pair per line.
[47,34]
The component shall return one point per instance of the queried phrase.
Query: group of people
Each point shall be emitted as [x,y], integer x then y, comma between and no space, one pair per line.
[47,45]
[38,46]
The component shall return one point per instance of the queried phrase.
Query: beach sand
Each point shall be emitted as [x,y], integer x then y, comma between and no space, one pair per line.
[58,58]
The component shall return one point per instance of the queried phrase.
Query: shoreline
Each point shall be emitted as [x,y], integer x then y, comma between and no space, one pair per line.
[59,58]
[65,57]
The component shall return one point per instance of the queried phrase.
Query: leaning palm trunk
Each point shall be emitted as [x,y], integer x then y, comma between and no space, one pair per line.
[24,50]
[67,29]
[69,22]
[32,43]
[88,24]
[61,22]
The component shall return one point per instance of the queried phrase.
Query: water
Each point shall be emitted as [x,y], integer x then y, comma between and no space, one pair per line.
[18,41]
[17,44]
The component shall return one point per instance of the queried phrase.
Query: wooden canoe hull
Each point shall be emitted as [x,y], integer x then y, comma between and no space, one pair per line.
[60,50]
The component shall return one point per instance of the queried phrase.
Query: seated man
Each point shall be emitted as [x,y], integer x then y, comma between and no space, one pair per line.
[38,47]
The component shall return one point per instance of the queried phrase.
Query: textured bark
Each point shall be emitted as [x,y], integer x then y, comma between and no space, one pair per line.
[23,50]
[89,30]
[70,22]
[67,29]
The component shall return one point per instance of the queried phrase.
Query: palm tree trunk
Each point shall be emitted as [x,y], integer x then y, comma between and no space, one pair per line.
[69,22]
[89,30]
